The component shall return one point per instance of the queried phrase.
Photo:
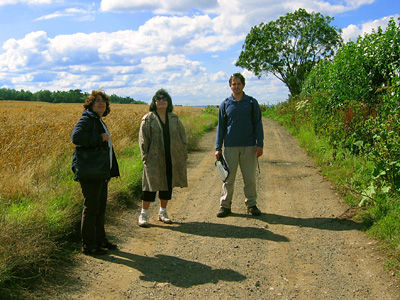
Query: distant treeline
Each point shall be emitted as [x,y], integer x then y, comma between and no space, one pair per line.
[71,96]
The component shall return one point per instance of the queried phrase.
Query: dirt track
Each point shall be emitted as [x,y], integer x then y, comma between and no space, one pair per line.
[302,247]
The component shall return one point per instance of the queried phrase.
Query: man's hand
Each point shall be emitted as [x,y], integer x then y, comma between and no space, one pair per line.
[217,154]
[259,151]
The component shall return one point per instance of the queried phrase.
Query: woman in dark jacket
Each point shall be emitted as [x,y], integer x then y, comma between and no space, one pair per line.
[90,132]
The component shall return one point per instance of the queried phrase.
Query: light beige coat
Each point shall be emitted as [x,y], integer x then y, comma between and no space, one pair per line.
[151,142]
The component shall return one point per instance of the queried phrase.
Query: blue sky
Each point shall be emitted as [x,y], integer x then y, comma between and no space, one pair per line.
[135,47]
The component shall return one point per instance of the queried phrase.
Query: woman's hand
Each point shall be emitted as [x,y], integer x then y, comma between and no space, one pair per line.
[105,136]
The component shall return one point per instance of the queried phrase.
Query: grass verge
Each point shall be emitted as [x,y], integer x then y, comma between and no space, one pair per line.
[38,228]
[349,175]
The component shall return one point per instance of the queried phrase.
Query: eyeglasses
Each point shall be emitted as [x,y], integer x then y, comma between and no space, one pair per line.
[160,99]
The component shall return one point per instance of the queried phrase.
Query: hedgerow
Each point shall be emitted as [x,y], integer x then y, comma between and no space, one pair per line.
[353,102]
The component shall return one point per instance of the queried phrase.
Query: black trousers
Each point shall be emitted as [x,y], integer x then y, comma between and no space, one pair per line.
[93,214]
[151,196]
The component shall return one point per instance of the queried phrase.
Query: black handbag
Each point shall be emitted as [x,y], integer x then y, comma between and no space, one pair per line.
[92,164]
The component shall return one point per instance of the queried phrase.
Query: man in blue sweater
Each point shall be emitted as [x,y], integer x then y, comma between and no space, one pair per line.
[240,130]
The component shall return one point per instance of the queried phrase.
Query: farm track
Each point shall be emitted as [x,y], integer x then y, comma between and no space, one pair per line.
[301,247]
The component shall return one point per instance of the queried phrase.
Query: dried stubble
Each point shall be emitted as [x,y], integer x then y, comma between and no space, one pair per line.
[38,197]
[35,136]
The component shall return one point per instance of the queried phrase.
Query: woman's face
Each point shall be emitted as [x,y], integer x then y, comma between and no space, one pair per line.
[161,102]
[99,105]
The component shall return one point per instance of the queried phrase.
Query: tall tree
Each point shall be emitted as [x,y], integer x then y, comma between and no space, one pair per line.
[290,47]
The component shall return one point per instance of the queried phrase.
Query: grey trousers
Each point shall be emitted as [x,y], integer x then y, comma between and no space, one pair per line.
[245,157]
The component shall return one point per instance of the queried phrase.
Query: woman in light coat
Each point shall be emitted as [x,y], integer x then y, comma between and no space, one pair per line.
[162,141]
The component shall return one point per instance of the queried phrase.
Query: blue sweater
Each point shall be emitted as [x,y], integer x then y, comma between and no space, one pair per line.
[239,123]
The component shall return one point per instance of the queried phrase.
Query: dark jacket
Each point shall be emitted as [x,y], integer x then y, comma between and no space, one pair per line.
[87,133]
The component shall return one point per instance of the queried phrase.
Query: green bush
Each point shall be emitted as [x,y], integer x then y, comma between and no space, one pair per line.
[348,118]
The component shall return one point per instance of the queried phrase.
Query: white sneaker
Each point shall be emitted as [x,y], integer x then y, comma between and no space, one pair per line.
[142,222]
[163,217]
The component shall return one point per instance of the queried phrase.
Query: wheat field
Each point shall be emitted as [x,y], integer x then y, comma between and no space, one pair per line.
[35,137]
[40,203]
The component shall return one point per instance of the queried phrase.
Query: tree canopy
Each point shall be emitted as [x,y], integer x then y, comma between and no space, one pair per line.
[71,96]
[290,47]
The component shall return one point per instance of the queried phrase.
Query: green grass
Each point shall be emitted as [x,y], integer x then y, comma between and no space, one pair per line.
[39,230]
[196,127]
[351,174]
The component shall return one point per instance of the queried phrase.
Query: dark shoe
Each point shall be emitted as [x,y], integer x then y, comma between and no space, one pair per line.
[223,212]
[95,251]
[254,211]
[109,246]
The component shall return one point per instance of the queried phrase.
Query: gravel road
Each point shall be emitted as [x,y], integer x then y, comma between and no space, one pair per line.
[303,246]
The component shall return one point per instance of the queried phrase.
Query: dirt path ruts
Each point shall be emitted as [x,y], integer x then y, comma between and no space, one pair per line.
[300,248]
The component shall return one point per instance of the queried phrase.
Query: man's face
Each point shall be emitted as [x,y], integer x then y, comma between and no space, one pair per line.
[236,86]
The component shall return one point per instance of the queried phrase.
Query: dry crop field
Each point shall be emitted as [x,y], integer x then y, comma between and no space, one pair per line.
[40,203]
[36,137]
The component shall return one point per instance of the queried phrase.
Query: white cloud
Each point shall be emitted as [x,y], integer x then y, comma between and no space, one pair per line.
[33,2]
[157,6]
[174,76]
[22,53]
[234,7]
[51,16]
[164,63]
[88,61]
[326,7]
[219,76]
[162,52]
[158,36]
[352,31]
[233,15]
[79,13]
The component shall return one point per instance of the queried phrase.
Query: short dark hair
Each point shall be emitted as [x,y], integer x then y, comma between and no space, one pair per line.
[239,76]
[164,93]
[92,98]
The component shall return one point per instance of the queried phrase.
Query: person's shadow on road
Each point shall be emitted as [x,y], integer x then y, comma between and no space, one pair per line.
[334,223]
[224,231]
[169,269]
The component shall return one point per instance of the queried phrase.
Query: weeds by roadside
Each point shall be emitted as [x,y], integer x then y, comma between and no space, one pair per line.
[351,174]
[40,204]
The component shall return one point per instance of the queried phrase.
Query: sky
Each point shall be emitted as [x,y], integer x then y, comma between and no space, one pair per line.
[132,48]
